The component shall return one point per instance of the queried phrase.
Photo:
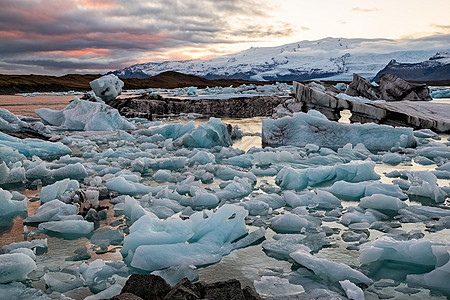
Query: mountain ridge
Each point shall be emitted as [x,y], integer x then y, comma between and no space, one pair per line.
[328,58]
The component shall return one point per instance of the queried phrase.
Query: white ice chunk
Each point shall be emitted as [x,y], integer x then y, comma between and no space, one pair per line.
[352,291]
[314,128]
[75,227]
[107,87]
[54,210]
[386,204]
[355,191]
[9,207]
[15,267]
[57,189]
[85,115]
[356,171]
[31,147]
[329,270]
[276,287]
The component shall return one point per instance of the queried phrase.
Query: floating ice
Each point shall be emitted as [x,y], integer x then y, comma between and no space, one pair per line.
[352,291]
[70,227]
[386,204]
[314,128]
[62,282]
[175,274]
[207,135]
[110,292]
[422,253]
[355,191]
[58,189]
[200,240]
[85,115]
[107,87]
[15,267]
[289,178]
[19,291]
[321,199]
[271,286]
[329,270]
[126,187]
[289,223]
[424,184]
[31,147]
[9,155]
[143,165]
[54,210]
[10,207]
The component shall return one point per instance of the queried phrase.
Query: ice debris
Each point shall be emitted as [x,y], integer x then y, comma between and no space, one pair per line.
[15,267]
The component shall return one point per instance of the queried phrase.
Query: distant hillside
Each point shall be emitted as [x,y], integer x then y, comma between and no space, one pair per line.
[12,84]
[436,67]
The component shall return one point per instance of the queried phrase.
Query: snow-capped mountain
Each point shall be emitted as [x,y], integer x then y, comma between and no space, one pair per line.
[436,67]
[330,58]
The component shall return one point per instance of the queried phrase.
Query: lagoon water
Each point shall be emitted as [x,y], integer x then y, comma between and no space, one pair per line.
[247,264]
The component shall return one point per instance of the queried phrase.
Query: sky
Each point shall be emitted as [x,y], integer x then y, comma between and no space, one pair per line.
[57,37]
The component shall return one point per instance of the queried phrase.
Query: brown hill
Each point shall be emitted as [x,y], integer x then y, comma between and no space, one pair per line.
[11,84]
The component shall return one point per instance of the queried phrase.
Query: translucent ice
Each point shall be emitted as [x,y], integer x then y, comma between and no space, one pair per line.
[386,204]
[70,227]
[57,189]
[107,87]
[15,267]
[352,291]
[292,179]
[85,115]
[30,147]
[329,270]
[272,286]
[207,135]
[10,207]
[355,191]
[175,274]
[53,210]
[315,128]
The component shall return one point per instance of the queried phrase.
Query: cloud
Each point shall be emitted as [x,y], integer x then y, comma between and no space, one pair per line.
[442,28]
[365,10]
[39,32]
[304,28]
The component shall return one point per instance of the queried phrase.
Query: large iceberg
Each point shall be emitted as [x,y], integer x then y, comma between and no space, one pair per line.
[314,128]
[85,115]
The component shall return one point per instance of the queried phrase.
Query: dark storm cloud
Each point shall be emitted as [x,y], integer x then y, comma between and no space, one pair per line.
[41,31]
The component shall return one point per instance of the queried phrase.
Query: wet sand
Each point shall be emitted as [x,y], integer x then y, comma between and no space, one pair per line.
[25,106]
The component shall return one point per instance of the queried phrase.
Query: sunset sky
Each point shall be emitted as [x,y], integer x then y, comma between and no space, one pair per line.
[94,36]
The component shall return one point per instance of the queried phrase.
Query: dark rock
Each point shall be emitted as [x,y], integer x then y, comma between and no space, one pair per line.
[394,88]
[126,296]
[224,290]
[251,294]
[361,87]
[184,290]
[147,286]
[150,106]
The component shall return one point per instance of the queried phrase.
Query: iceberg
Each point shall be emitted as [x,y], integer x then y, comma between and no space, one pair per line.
[388,205]
[85,115]
[315,128]
[292,179]
[272,286]
[58,189]
[70,227]
[15,267]
[201,240]
[355,191]
[10,207]
[54,210]
[107,87]
[329,270]
[31,147]
[207,135]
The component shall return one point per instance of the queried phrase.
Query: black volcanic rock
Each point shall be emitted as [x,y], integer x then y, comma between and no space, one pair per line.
[434,69]
[391,88]
[394,88]
[361,87]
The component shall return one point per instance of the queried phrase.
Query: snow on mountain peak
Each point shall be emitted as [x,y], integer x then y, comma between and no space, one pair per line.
[330,58]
